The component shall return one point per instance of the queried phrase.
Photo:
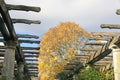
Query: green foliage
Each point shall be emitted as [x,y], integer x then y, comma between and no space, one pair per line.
[90,73]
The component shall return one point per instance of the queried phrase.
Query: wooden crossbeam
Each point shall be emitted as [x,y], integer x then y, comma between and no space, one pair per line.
[110,26]
[88,49]
[23,48]
[25,41]
[99,38]
[23,35]
[118,12]
[31,59]
[22,8]
[13,38]
[7,20]
[27,36]
[107,59]
[94,43]
[3,30]
[109,34]
[30,48]
[25,21]
[118,42]
[28,52]
[104,62]
[27,59]
[100,56]
[29,41]
[25,55]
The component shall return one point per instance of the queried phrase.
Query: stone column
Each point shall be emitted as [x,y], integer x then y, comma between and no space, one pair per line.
[116,62]
[9,58]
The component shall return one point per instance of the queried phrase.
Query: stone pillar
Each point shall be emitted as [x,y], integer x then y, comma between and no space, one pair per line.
[116,63]
[9,58]
[20,73]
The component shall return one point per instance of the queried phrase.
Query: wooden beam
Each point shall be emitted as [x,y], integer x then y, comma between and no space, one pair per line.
[110,26]
[118,42]
[25,41]
[100,56]
[99,38]
[118,12]
[30,48]
[7,20]
[23,48]
[83,54]
[33,52]
[94,43]
[29,41]
[89,49]
[28,52]
[27,36]
[22,8]
[104,62]
[25,55]
[109,34]
[25,21]
[24,36]
[3,30]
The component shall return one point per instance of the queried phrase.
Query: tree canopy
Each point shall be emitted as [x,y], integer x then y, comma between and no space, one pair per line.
[58,46]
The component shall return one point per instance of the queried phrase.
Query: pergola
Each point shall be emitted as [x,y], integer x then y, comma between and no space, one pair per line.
[17,62]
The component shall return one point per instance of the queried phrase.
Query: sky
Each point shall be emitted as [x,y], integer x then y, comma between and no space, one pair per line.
[89,14]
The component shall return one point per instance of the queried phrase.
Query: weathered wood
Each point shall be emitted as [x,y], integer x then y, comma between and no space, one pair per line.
[118,12]
[104,62]
[99,38]
[30,48]
[29,41]
[24,36]
[117,42]
[31,56]
[107,59]
[34,52]
[3,30]
[31,59]
[20,59]
[25,41]
[23,48]
[25,55]
[25,21]
[7,20]
[109,34]
[89,49]
[29,52]
[22,7]
[110,26]
[94,43]
[18,55]
[27,36]
[100,56]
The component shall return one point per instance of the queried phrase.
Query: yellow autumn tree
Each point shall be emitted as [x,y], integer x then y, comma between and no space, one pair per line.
[58,46]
